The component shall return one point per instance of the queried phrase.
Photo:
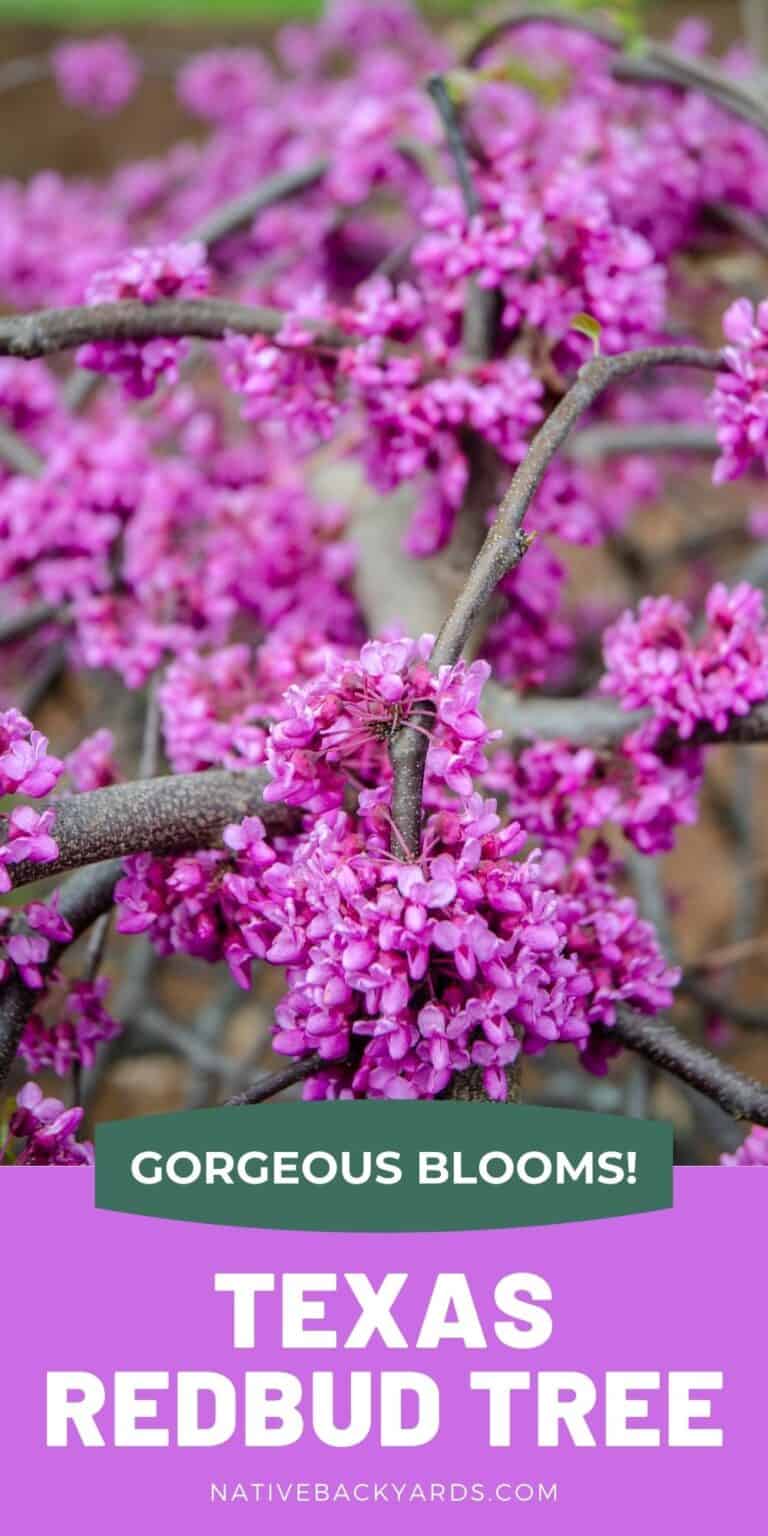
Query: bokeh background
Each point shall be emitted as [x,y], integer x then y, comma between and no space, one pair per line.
[716,880]
[37,131]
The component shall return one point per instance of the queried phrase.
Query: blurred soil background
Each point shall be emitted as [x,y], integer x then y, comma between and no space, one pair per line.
[716,879]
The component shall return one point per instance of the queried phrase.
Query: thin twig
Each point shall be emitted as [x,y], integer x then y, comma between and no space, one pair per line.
[503,549]
[162,1030]
[19,625]
[713,1001]
[175,814]
[241,211]
[82,898]
[47,331]
[267,1087]
[650,64]
[43,681]
[17,454]
[150,745]
[614,439]
[744,223]
[447,113]
[207,1027]
[505,543]
[662,1044]
[482,304]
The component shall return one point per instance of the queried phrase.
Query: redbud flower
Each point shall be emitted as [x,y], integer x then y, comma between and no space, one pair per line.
[753,1153]
[100,75]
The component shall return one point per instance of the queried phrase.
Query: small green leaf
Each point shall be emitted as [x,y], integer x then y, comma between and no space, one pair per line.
[588,326]
[514,71]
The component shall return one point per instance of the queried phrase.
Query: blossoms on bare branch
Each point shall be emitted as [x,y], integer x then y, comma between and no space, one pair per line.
[338,804]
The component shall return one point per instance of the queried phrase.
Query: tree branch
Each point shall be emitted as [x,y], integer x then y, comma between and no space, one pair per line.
[743,730]
[711,1001]
[18,625]
[754,22]
[47,331]
[505,543]
[656,64]
[652,1039]
[481,306]
[503,549]
[17,454]
[239,212]
[601,723]
[82,899]
[665,1047]
[611,440]
[267,1087]
[744,223]
[454,138]
[589,722]
[171,815]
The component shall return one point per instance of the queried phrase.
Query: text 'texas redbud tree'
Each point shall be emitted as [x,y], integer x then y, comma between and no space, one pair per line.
[415,766]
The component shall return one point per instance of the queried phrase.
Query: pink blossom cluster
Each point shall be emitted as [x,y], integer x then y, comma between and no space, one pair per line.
[47,1129]
[225,84]
[558,791]
[28,947]
[739,400]
[284,381]
[335,729]
[147,273]
[579,504]
[753,1153]
[26,766]
[57,530]
[92,765]
[217,709]
[559,228]
[402,974]
[29,402]
[100,75]
[418,971]
[412,423]
[531,639]
[81,1023]
[415,425]
[54,235]
[207,905]
[165,555]
[653,660]
[184,542]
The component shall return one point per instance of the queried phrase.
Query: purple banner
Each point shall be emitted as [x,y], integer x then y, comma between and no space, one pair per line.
[676,1296]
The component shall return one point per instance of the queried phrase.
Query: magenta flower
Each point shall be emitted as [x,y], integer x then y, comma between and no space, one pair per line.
[25,765]
[753,1153]
[71,1039]
[147,273]
[224,84]
[48,1130]
[29,836]
[99,75]
[335,728]
[92,765]
[739,401]
[652,660]
[29,952]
